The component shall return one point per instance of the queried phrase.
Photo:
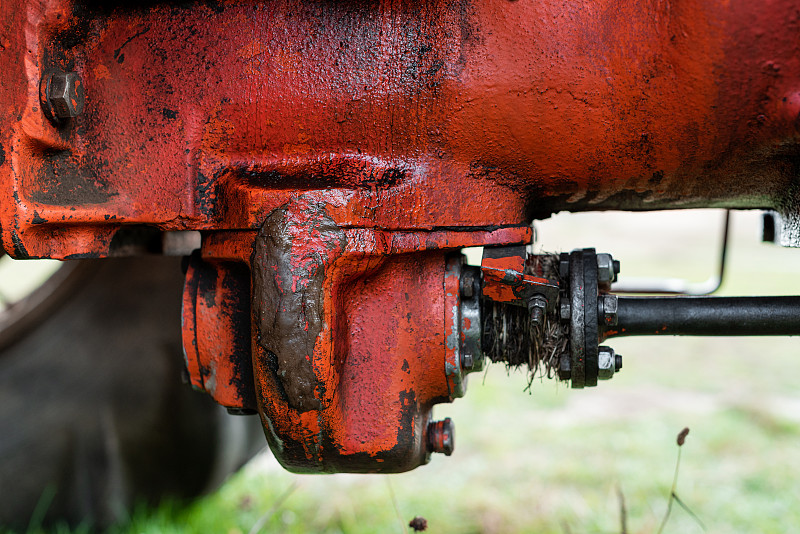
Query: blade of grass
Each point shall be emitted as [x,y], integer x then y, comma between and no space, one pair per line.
[394,503]
[258,525]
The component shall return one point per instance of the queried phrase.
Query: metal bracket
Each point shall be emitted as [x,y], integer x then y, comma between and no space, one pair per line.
[504,280]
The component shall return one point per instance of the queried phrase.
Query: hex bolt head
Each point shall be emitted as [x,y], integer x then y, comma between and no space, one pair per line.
[563,266]
[537,317]
[565,311]
[565,368]
[606,268]
[608,313]
[63,95]
[606,363]
[467,361]
[441,436]
[537,306]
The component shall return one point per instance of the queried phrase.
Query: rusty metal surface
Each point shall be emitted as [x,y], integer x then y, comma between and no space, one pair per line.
[351,340]
[336,153]
[216,331]
[396,114]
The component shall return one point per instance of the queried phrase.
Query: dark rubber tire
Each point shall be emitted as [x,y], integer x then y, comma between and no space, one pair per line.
[94,416]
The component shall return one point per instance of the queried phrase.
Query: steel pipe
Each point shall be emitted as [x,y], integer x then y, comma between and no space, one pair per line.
[707,316]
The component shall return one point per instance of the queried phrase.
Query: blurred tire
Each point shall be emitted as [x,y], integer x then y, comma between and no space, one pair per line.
[94,416]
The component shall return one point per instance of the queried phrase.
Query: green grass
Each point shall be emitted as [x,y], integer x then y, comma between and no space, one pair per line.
[536,468]
[555,460]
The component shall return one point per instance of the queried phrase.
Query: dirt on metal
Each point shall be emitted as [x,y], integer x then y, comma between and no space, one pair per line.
[419,128]
[510,337]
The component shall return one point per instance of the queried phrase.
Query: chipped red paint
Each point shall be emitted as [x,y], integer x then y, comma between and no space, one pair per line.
[216,331]
[506,286]
[511,262]
[413,129]
[504,280]
[381,359]
[397,115]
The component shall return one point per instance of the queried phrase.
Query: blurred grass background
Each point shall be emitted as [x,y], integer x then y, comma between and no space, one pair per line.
[555,459]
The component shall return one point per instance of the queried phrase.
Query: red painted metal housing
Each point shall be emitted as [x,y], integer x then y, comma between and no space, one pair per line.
[378,361]
[399,115]
[340,151]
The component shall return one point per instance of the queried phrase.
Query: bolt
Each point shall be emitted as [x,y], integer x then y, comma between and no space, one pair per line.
[607,309]
[606,363]
[606,269]
[537,305]
[617,362]
[467,283]
[565,368]
[537,316]
[565,310]
[467,361]
[63,95]
[441,436]
[563,265]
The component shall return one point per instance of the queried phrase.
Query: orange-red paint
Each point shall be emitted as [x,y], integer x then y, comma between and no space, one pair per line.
[382,358]
[397,115]
[417,128]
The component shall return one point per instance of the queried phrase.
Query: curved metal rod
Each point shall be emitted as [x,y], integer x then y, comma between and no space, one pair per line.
[678,286]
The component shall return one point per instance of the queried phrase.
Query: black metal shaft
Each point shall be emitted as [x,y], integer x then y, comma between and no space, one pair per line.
[707,316]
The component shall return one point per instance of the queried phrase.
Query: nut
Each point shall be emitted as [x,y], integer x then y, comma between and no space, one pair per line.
[441,436]
[608,304]
[64,95]
[563,265]
[606,363]
[564,368]
[537,306]
[565,311]
[607,269]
